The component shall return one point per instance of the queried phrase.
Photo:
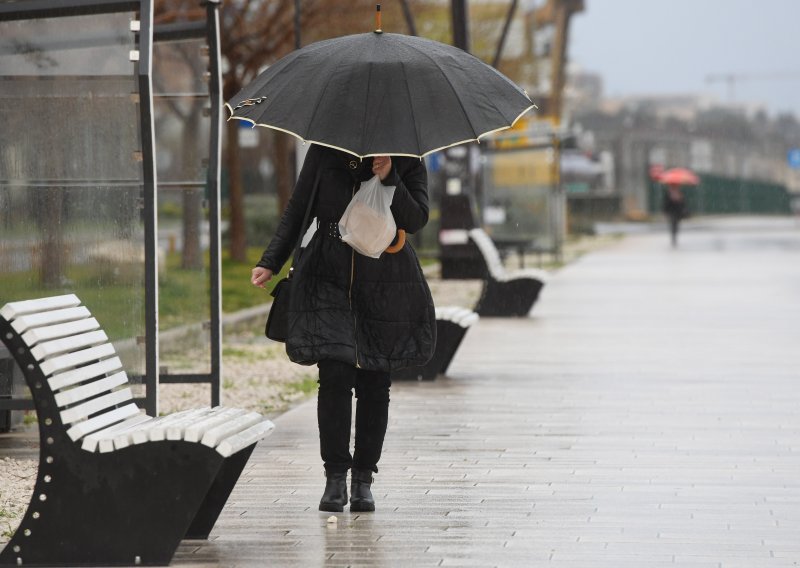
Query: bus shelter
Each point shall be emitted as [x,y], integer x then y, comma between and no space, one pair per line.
[109,180]
[522,202]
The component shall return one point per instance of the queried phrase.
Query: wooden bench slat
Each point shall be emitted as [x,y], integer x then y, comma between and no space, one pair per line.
[215,435]
[175,431]
[141,433]
[106,444]
[70,360]
[80,429]
[534,273]
[159,432]
[15,309]
[95,405]
[66,344]
[195,432]
[83,374]
[471,319]
[489,251]
[94,388]
[49,332]
[22,324]
[245,438]
[90,443]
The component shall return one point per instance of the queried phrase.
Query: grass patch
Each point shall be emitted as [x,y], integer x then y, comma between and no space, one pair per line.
[307,385]
[237,292]
[5,517]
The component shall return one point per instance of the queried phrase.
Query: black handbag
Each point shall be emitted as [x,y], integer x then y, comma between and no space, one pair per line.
[277,327]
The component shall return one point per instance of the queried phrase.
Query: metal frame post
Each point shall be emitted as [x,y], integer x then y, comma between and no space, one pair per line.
[145,76]
[215,150]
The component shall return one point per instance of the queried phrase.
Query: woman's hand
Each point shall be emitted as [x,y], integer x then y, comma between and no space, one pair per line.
[260,276]
[381,166]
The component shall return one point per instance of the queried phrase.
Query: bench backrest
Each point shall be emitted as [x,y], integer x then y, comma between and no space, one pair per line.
[79,363]
[489,251]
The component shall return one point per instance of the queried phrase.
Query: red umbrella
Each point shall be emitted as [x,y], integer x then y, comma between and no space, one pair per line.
[679,176]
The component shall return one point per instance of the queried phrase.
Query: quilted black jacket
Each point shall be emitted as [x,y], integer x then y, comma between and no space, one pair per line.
[377,314]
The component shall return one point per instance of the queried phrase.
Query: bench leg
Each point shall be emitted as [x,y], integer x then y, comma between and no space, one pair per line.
[123,508]
[513,298]
[218,494]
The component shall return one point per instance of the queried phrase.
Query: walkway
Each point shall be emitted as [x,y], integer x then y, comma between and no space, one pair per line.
[648,414]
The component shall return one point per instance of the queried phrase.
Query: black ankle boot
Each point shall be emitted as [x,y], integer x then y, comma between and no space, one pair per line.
[335,497]
[361,499]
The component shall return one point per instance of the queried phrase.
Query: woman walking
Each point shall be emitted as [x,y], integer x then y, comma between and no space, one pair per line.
[357,318]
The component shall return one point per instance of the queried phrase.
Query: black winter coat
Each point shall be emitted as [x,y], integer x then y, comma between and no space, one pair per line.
[377,314]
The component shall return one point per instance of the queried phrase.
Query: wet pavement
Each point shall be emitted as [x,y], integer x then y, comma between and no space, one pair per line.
[646,414]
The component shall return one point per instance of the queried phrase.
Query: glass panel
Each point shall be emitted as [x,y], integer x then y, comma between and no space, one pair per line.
[181,100]
[520,204]
[71,186]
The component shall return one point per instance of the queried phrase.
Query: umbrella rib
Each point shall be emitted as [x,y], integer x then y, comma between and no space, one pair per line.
[322,96]
[366,104]
[439,67]
[411,106]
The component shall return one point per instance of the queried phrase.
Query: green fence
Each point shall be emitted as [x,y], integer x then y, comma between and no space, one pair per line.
[721,195]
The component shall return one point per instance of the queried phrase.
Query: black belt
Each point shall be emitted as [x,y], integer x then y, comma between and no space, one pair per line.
[330,229]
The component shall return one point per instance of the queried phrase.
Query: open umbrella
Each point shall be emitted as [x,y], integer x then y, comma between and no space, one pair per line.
[678,176]
[381,93]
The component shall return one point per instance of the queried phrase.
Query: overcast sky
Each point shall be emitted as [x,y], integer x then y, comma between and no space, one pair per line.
[670,46]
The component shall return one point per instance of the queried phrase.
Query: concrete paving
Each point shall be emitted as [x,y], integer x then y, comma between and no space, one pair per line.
[646,414]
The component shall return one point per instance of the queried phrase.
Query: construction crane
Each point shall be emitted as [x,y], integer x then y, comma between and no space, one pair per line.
[731,79]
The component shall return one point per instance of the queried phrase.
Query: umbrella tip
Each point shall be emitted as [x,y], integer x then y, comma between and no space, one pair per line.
[378,29]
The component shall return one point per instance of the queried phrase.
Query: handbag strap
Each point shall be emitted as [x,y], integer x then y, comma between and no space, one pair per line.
[304,226]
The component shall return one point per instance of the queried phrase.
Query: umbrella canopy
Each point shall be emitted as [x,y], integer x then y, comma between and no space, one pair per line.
[678,176]
[379,93]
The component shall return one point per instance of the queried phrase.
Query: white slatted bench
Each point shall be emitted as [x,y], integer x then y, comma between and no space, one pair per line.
[452,323]
[114,486]
[505,293]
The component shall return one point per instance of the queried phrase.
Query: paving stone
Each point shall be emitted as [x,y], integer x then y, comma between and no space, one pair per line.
[644,415]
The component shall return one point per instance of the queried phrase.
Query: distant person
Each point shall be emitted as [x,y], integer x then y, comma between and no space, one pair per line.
[675,209]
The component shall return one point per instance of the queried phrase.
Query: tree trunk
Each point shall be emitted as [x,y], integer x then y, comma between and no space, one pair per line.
[191,255]
[53,261]
[236,228]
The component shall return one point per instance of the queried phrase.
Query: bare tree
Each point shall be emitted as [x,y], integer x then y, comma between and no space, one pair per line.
[256,33]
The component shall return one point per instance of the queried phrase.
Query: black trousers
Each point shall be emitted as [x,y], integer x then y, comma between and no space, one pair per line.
[334,410]
[674,225]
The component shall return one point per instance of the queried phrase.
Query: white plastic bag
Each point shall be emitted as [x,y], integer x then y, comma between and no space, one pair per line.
[367,224]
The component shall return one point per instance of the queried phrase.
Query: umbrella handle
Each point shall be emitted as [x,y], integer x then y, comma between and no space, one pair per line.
[401,241]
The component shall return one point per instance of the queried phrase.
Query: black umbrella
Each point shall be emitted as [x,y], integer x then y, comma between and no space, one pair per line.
[380,93]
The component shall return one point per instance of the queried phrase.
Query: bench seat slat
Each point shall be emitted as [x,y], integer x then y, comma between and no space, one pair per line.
[195,432]
[70,360]
[469,320]
[66,344]
[159,431]
[91,442]
[534,273]
[59,330]
[15,309]
[245,438]
[106,444]
[83,374]
[139,434]
[80,429]
[22,324]
[94,388]
[215,435]
[95,405]
[175,431]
